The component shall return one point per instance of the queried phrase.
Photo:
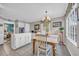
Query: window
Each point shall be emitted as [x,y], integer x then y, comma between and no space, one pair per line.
[71,24]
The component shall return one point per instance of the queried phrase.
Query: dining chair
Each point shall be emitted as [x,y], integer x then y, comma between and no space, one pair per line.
[42,47]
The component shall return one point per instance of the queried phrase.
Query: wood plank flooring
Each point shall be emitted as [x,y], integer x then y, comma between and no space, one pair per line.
[5,50]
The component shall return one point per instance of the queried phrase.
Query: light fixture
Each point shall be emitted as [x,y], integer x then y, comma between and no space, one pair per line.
[46,18]
[46,21]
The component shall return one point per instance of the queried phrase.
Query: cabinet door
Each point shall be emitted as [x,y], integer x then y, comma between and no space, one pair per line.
[26,38]
[17,41]
[22,40]
[1,39]
[29,38]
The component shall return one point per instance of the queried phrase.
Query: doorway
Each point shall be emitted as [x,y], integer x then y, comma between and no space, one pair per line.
[8,32]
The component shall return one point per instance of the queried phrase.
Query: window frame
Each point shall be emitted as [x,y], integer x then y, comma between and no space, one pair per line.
[70,23]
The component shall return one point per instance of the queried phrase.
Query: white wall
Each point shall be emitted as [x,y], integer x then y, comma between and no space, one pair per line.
[27,27]
[51,27]
[57,20]
[32,25]
[1,32]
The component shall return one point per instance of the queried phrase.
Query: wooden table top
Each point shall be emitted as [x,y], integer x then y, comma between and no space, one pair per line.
[49,39]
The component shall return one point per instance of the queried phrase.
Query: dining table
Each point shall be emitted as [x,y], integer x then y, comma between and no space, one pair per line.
[51,40]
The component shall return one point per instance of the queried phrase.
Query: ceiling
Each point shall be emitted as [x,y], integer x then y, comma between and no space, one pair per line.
[31,12]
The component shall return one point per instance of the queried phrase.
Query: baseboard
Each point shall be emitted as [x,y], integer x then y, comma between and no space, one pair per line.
[69,50]
[21,46]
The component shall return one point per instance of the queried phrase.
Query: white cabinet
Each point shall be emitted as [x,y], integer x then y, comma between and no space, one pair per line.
[20,24]
[17,41]
[1,39]
[1,32]
[21,40]
[26,39]
[29,37]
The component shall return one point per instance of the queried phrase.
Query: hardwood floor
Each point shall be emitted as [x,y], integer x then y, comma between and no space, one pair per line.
[5,50]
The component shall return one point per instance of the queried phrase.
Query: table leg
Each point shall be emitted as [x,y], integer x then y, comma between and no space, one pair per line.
[53,47]
[33,46]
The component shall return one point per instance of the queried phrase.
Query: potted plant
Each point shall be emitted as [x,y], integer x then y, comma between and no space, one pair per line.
[61,29]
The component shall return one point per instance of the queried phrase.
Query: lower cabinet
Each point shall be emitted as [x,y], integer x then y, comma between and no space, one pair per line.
[20,40]
[1,39]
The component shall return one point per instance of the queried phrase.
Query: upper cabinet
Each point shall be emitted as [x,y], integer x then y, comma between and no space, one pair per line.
[21,24]
[21,27]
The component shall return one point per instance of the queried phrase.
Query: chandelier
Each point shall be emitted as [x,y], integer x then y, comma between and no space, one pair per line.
[46,22]
[46,18]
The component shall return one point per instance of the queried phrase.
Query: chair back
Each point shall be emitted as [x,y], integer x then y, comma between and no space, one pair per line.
[42,45]
[42,41]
